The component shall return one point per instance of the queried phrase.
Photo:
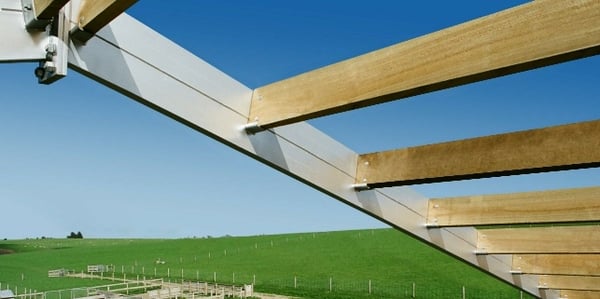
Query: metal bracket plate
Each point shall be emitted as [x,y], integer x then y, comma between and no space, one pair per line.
[32,23]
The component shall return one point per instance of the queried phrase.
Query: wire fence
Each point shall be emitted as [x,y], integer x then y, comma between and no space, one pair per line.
[310,287]
[319,287]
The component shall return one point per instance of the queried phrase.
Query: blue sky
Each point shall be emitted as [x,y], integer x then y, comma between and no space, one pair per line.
[76,156]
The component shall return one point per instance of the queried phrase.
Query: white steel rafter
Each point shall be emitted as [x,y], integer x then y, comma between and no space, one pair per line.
[189,90]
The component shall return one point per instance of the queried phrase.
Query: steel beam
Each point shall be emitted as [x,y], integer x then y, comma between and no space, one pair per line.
[19,45]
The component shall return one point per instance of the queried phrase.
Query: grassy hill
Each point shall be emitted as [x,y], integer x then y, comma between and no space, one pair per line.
[308,264]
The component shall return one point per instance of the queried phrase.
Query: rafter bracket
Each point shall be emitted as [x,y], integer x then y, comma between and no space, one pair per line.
[253,128]
[32,23]
[360,187]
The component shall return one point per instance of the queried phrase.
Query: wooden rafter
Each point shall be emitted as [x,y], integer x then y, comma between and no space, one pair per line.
[564,239]
[567,205]
[557,264]
[525,37]
[563,147]
[566,282]
[47,9]
[95,14]
[568,294]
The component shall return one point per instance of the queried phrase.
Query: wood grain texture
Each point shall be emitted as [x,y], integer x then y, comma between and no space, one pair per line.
[562,147]
[552,206]
[579,294]
[525,37]
[47,9]
[563,239]
[557,264]
[95,14]
[565,282]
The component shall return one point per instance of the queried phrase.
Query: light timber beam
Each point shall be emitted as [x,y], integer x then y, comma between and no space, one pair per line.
[568,205]
[47,9]
[563,147]
[525,37]
[565,282]
[557,264]
[565,239]
[95,14]
[579,295]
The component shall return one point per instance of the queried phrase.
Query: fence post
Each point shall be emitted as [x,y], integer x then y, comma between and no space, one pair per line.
[253,279]
[414,293]
[197,275]
[369,287]
[295,282]
[215,276]
[463,293]
[330,284]
[233,279]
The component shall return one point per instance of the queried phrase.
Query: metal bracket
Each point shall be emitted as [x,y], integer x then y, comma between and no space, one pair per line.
[360,187]
[431,225]
[253,128]
[55,64]
[515,272]
[32,23]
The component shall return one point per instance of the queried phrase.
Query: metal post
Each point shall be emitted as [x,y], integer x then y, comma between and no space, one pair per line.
[414,290]
[369,287]
[330,284]
[463,293]
[295,282]
[215,276]
[233,278]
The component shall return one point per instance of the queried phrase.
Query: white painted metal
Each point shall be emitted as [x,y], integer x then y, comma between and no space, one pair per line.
[16,44]
[193,92]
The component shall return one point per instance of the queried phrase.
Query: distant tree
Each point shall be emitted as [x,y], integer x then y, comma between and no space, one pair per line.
[77,235]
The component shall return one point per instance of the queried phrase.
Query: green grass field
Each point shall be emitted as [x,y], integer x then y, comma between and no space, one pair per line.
[312,265]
